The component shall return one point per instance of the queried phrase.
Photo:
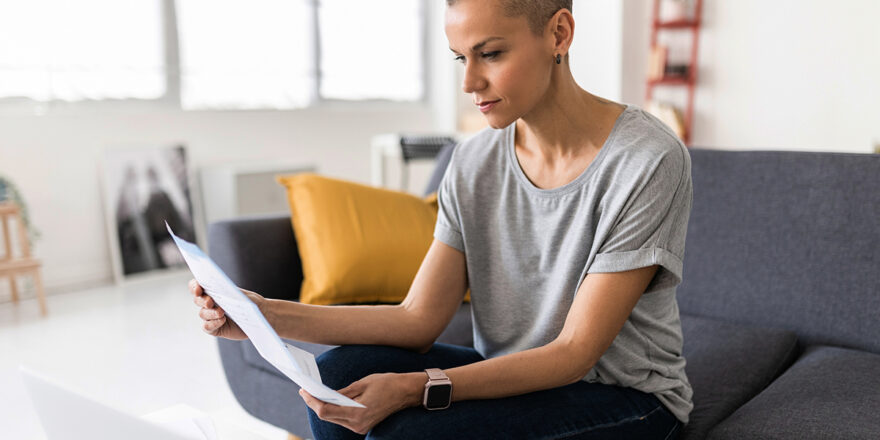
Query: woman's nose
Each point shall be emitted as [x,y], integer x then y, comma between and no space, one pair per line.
[473,79]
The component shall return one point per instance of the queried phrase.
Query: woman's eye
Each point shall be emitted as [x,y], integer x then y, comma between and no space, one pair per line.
[485,55]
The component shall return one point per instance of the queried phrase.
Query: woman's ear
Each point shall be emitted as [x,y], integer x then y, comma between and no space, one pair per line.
[560,29]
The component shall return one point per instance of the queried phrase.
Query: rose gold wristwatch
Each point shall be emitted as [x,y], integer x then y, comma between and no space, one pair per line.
[438,390]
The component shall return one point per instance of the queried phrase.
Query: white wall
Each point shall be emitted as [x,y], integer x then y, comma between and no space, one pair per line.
[636,39]
[55,162]
[784,74]
[54,158]
[597,50]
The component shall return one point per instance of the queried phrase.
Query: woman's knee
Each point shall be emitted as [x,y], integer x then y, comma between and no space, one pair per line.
[343,365]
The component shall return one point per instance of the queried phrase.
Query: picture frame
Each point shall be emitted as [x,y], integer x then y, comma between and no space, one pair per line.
[143,187]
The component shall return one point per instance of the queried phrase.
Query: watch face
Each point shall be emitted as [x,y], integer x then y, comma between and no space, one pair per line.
[439,396]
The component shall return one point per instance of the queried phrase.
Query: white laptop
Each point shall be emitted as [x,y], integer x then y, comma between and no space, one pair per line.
[67,415]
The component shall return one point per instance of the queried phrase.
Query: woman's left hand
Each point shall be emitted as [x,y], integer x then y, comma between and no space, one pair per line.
[382,394]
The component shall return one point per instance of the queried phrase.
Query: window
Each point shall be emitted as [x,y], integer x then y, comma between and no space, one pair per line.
[278,54]
[288,53]
[383,38]
[87,49]
[246,54]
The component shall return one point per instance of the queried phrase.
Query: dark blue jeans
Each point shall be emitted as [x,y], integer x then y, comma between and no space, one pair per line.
[578,411]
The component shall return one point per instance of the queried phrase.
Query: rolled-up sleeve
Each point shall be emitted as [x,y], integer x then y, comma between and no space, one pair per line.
[448,226]
[653,227]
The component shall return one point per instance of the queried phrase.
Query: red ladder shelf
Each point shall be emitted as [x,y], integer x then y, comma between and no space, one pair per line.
[689,80]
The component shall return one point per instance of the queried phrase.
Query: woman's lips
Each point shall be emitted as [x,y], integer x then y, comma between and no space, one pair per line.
[485,106]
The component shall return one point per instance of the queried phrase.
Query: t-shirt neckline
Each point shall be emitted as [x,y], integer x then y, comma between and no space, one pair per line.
[570,186]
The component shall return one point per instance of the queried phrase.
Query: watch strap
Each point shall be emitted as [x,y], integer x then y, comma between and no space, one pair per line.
[436,374]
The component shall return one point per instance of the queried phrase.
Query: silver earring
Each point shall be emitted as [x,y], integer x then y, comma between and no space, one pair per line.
[558,59]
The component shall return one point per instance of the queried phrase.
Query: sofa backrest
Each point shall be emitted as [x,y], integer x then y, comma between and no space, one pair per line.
[441,162]
[788,240]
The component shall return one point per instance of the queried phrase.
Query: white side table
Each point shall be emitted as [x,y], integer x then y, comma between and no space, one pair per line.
[386,148]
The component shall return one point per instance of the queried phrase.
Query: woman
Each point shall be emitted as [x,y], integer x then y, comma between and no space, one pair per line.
[566,219]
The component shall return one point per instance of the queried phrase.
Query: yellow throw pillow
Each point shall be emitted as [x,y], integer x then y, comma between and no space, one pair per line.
[358,244]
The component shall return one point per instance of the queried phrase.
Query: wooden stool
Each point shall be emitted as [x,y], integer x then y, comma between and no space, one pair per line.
[24,264]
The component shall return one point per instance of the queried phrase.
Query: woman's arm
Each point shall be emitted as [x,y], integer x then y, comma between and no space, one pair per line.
[601,307]
[433,298]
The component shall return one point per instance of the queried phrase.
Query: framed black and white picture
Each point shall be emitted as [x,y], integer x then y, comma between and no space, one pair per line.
[144,187]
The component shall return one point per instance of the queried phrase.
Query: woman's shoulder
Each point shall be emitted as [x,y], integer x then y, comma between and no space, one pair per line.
[641,138]
[640,127]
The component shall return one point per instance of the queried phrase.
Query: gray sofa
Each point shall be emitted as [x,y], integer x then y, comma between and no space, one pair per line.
[780,302]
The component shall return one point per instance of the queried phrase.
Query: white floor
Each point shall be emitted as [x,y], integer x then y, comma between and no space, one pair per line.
[138,347]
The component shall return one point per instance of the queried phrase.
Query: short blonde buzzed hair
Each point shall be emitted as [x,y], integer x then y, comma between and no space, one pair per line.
[537,12]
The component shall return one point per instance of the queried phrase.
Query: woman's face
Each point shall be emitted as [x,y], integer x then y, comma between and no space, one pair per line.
[507,68]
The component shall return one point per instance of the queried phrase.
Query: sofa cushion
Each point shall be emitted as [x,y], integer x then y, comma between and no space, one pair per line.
[786,239]
[259,254]
[829,393]
[728,364]
[358,244]
[272,398]
[441,162]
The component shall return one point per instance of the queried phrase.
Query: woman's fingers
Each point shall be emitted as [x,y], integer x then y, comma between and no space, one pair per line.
[199,297]
[204,301]
[211,313]
[209,310]
[197,291]
[195,288]
[212,325]
[353,390]
[213,316]
[325,411]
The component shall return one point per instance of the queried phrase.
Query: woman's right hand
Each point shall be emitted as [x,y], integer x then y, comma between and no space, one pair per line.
[214,318]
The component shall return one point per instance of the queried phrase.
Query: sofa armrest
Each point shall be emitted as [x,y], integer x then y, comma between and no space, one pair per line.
[258,254]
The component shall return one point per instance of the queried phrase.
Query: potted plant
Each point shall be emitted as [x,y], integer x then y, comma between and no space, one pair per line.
[9,192]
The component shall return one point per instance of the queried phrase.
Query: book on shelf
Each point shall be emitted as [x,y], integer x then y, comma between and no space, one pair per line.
[676,71]
[670,116]
[657,62]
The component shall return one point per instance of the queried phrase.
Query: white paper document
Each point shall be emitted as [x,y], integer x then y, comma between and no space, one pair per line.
[297,364]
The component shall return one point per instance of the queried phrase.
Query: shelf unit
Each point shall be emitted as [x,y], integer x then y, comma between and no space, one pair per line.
[689,80]
[14,264]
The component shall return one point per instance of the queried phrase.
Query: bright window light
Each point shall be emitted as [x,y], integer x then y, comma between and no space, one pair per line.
[246,54]
[258,54]
[371,49]
[81,50]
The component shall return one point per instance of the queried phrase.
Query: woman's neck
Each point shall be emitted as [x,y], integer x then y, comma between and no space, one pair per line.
[568,123]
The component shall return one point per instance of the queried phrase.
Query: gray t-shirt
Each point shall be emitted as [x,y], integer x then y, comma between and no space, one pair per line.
[528,249]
